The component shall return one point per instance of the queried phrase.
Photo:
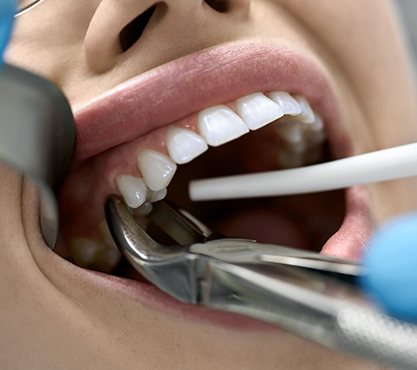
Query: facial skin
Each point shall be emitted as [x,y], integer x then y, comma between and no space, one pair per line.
[53,315]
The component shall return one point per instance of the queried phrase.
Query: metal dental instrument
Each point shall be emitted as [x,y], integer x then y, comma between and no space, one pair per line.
[388,164]
[36,136]
[302,292]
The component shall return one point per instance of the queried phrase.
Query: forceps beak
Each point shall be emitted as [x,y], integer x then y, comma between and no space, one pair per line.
[171,268]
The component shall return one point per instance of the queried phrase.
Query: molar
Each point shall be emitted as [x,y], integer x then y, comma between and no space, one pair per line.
[286,102]
[257,110]
[89,253]
[157,169]
[219,125]
[133,190]
[184,145]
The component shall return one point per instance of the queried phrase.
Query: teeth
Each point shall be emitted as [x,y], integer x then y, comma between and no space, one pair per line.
[89,253]
[184,145]
[301,131]
[132,189]
[291,132]
[316,125]
[307,115]
[143,210]
[257,110]
[219,125]
[156,168]
[286,102]
[156,196]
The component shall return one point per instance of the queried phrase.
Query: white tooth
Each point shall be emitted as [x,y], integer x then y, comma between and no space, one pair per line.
[157,169]
[132,189]
[184,145]
[286,102]
[219,125]
[156,196]
[143,210]
[257,110]
[290,131]
[316,126]
[307,115]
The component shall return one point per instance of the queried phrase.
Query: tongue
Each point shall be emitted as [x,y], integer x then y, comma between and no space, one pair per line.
[264,226]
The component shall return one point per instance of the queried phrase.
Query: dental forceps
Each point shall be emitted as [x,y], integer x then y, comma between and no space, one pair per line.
[308,294]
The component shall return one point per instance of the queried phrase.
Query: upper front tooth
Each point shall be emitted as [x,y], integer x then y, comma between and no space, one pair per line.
[257,110]
[219,125]
[307,115]
[184,145]
[132,189]
[286,102]
[157,169]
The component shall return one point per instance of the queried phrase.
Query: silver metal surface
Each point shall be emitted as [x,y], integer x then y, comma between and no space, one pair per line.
[248,278]
[36,136]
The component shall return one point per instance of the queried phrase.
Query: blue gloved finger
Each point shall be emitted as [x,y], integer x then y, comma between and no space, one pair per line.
[391,263]
[7,11]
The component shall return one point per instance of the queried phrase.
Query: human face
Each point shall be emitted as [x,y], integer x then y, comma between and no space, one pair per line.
[346,58]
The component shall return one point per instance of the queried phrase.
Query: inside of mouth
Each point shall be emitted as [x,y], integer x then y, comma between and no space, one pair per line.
[300,221]
[304,221]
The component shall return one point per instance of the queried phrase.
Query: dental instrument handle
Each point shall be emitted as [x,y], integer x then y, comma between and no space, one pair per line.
[323,313]
[37,136]
[387,164]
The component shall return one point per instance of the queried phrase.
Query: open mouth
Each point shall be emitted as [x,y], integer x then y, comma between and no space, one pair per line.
[236,108]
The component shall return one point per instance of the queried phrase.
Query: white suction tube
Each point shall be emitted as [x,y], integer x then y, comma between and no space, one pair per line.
[387,164]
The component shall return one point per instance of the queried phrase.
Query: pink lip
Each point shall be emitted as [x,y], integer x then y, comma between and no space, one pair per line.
[212,76]
[209,77]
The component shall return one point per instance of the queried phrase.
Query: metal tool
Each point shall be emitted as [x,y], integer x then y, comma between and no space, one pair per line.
[36,136]
[305,293]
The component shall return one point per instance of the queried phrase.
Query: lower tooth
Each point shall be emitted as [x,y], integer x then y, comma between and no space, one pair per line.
[84,251]
[156,196]
[143,210]
[290,131]
[89,253]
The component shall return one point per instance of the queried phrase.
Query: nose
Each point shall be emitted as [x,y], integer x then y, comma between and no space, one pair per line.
[124,29]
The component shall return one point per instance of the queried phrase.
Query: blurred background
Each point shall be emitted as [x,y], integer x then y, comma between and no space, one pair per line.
[408,12]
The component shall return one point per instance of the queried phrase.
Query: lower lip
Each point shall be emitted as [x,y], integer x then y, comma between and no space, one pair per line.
[154,298]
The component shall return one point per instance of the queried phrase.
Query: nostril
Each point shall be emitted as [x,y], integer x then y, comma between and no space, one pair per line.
[221,6]
[133,31]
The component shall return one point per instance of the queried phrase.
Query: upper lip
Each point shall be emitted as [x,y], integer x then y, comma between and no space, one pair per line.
[212,76]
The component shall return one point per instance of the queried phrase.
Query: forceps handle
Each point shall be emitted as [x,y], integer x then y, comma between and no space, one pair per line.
[320,309]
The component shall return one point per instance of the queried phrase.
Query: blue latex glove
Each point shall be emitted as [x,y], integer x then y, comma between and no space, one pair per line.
[7,11]
[391,263]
